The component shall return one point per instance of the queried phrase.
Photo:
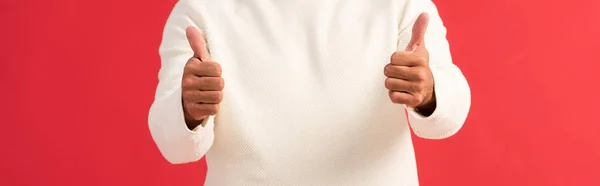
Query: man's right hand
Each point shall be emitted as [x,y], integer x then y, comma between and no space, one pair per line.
[202,84]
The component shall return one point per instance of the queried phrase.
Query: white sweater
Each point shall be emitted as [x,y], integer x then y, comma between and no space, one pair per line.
[304,98]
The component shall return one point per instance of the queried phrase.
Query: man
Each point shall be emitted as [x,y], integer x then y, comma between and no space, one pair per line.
[301,92]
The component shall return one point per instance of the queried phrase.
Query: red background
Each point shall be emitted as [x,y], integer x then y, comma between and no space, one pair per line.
[78,78]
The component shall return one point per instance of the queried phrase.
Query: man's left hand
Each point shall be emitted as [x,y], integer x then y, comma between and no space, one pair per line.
[410,80]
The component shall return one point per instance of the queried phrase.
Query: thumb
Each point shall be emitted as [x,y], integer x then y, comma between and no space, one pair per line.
[197,43]
[418,32]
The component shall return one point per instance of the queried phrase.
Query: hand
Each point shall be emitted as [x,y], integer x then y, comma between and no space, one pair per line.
[202,83]
[410,80]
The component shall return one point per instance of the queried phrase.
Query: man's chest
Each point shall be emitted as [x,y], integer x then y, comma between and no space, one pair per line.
[299,32]
[278,47]
[313,29]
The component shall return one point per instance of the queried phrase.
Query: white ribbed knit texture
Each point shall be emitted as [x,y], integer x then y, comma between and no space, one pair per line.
[304,98]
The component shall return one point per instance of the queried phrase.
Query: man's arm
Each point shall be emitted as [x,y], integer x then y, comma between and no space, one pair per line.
[452,95]
[166,120]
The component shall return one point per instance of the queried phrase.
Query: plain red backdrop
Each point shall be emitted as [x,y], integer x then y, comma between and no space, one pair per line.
[78,78]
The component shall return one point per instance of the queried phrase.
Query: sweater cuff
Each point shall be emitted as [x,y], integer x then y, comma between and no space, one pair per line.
[439,124]
[179,123]
[175,140]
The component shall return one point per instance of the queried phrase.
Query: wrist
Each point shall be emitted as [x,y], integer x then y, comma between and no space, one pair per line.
[190,122]
[428,106]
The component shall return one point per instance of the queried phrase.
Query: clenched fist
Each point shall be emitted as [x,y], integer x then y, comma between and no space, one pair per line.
[410,80]
[202,83]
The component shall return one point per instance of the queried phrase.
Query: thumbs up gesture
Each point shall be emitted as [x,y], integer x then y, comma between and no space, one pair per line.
[202,83]
[410,80]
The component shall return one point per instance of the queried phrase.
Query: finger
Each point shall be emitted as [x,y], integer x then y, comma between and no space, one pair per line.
[404,98]
[197,43]
[401,85]
[409,59]
[211,83]
[203,69]
[201,111]
[401,72]
[198,96]
[203,83]
[418,32]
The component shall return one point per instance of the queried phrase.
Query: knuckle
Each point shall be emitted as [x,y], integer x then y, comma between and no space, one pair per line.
[219,83]
[187,95]
[400,54]
[422,60]
[218,97]
[213,109]
[388,83]
[412,86]
[204,82]
[187,82]
[387,70]
[192,62]
[416,101]
[397,56]
[421,75]
[418,98]
[197,112]
[418,87]
[216,82]
[217,69]
[212,96]
[394,97]
[194,111]
[186,105]
[207,81]
[397,99]
[421,87]
[393,56]
[212,67]
[190,108]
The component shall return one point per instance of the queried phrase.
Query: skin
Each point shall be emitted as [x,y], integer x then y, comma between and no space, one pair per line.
[409,78]
[202,83]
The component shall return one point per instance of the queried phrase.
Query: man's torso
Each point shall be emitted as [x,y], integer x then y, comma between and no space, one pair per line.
[305,102]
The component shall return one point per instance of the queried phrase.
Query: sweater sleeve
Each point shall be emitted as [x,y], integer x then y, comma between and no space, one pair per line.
[453,95]
[175,141]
